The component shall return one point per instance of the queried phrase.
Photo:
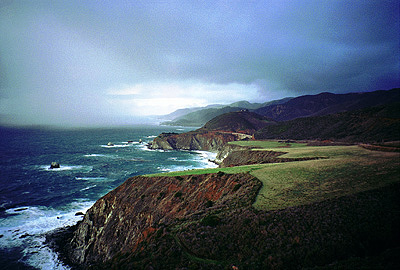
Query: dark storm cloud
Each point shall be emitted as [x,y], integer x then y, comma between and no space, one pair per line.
[84,61]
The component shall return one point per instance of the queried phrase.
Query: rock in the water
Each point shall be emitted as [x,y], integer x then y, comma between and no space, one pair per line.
[54,165]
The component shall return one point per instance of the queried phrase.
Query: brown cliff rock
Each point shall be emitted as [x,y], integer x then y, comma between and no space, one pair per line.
[196,140]
[247,157]
[118,222]
[239,157]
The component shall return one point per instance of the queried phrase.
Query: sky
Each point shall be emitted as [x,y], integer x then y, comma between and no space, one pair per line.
[88,63]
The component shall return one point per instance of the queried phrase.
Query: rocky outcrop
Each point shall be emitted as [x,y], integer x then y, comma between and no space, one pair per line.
[247,157]
[54,165]
[128,215]
[226,150]
[196,140]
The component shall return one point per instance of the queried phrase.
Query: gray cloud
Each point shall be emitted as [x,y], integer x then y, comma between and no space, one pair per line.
[63,57]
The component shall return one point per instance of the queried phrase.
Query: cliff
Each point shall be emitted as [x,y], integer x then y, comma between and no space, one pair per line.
[195,140]
[124,218]
[233,155]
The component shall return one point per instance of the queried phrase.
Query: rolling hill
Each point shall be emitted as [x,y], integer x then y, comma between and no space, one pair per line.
[199,116]
[288,108]
[372,124]
[327,103]
[242,121]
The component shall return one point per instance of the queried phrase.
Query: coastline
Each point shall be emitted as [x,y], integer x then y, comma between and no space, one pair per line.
[171,194]
[41,200]
[57,239]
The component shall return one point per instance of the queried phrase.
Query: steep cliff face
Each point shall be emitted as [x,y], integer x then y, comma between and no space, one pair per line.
[207,141]
[239,157]
[226,150]
[247,157]
[122,219]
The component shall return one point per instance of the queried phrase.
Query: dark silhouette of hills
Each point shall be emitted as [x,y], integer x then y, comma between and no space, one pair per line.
[327,103]
[197,117]
[182,112]
[287,108]
[242,121]
[372,124]
[355,117]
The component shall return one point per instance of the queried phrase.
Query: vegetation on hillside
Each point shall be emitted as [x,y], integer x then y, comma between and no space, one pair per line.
[199,116]
[290,108]
[328,103]
[374,124]
[243,121]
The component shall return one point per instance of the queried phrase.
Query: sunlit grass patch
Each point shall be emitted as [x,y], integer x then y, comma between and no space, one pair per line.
[348,170]
[268,144]
[343,170]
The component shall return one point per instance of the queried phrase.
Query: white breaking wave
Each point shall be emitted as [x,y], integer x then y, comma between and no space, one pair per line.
[96,155]
[118,145]
[131,143]
[66,168]
[93,178]
[26,227]
[89,187]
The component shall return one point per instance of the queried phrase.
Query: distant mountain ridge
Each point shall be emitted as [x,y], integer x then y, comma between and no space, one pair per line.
[181,112]
[288,108]
[327,103]
[200,117]
[355,117]
[243,121]
[197,117]
[372,124]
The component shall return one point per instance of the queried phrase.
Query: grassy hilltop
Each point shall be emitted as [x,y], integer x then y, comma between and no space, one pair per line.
[338,171]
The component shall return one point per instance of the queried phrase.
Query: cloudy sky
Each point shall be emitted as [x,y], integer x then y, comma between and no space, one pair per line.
[110,62]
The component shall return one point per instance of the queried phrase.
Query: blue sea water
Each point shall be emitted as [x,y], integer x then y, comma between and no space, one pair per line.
[34,199]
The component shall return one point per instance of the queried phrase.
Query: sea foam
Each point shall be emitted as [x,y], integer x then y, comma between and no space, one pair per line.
[26,227]
[66,168]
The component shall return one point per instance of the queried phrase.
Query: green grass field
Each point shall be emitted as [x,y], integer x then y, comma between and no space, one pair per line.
[344,170]
[268,144]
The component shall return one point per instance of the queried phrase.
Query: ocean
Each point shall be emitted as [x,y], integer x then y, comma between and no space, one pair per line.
[35,200]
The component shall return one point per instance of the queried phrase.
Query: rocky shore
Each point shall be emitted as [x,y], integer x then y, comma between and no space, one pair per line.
[195,140]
